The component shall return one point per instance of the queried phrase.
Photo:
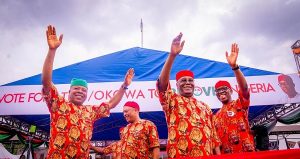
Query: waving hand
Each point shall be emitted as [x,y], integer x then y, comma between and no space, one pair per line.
[177,45]
[53,41]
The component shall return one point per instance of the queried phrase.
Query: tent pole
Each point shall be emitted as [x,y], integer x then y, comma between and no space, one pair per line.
[142,37]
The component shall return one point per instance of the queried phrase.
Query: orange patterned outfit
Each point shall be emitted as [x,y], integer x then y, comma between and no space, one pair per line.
[190,129]
[138,140]
[115,149]
[71,126]
[232,126]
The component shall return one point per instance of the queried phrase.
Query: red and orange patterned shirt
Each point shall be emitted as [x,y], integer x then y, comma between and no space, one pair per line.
[114,149]
[190,129]
[232,126]
[138,140]
[71,126]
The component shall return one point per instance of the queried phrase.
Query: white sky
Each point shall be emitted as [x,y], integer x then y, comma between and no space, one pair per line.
[264,30]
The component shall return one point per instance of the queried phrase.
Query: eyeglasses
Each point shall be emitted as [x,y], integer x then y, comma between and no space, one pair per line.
[282,84]
[221,90]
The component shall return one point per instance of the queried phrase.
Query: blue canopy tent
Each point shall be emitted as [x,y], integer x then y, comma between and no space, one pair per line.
[147,64]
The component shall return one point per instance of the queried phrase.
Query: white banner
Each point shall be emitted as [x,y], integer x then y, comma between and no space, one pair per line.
[27,99]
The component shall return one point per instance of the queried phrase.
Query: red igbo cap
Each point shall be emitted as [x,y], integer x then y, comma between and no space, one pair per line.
[132,104]
[222,83]
[286,78]
[183,73]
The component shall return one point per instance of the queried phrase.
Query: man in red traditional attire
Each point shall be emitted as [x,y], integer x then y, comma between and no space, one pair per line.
[71,121]
[190,129]
[139,139]
[288,86]
[231,121]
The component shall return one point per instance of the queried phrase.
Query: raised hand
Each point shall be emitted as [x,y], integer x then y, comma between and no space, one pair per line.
[53,41]
[177,45]
[129,76]
[231,59]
